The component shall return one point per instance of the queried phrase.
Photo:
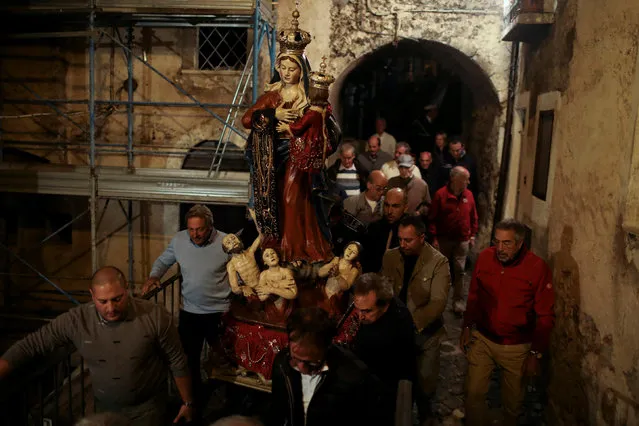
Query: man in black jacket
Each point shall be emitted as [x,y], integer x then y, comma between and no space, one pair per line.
[316,383]
[382,234]
[385,340]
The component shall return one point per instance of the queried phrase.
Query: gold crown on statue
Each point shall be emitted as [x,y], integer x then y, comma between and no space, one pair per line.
[321,79]
[293,40]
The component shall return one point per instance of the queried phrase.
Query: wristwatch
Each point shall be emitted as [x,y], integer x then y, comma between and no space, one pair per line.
[536,354]
[188,404]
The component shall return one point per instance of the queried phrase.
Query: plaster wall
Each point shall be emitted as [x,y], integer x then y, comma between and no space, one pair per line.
[464,36]
[589,60]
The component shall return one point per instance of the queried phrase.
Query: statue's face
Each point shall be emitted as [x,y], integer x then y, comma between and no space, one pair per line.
[232,244]
[351,252]
[270,257]
[289,72]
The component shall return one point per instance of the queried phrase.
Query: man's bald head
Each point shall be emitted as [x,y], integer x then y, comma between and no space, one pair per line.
[376,185]
[397,195]
[395,204]
[459,179]
[108,275]
[374,144]
[109,293]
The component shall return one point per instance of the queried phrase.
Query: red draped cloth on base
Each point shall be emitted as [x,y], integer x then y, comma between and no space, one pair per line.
[254,346]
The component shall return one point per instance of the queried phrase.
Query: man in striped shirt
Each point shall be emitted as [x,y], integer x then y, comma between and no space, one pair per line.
[346,176]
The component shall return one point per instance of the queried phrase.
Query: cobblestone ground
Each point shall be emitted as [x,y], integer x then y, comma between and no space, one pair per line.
[449,401]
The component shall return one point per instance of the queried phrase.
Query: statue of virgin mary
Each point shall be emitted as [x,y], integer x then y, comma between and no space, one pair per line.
[285,100]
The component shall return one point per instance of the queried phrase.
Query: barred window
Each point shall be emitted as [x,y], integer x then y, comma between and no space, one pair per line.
[222,48]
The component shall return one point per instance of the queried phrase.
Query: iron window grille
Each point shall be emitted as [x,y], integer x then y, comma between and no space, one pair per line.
[222,48]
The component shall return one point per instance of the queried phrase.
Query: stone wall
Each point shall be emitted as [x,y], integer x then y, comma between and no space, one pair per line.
[589,60]
[462,36]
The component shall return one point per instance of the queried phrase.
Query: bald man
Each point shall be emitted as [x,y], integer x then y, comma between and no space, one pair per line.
[382,235]
[128,345]
[367,206]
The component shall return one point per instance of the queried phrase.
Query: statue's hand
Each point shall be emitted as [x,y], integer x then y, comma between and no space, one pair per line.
[285,115]
[247,291]
[263,295]
[283,127]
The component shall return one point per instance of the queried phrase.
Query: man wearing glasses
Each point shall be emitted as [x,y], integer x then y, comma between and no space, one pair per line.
[367,206]
[316,383]
[508,321]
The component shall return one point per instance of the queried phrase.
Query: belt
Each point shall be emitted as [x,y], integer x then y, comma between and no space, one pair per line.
[432,328]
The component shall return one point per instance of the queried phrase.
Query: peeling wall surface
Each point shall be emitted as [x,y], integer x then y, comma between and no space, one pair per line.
[463,36]
[590,57]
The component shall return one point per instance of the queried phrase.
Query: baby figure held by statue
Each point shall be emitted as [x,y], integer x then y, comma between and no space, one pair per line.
[309,139]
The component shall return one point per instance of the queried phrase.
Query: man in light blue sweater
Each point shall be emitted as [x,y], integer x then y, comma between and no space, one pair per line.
[205,285]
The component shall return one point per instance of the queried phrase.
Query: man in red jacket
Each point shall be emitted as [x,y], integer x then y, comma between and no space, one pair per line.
[453,224]
[508,321]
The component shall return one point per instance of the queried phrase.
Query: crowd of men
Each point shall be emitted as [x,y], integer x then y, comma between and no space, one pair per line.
[416,223]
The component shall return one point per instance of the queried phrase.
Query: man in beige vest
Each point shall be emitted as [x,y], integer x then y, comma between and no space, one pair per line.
[421,280]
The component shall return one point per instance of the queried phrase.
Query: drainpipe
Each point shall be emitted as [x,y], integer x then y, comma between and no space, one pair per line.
[508,136]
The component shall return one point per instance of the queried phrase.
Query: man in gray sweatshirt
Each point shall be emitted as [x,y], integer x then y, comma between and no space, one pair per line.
[205,285]
[126,344]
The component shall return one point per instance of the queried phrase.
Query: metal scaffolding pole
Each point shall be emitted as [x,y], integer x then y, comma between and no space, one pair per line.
[39,274]
[256,50]
[176,86]
[115,102]
[93,200]
[130,231]
[129,106]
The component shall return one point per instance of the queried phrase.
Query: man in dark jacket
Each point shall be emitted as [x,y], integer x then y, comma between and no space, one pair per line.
[317,384]
[459,157]
[385,340]
[382,234]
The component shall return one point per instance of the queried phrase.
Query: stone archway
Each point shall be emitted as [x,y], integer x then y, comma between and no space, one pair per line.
[480,111]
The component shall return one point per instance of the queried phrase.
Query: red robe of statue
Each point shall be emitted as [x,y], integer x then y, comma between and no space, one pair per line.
[302,238]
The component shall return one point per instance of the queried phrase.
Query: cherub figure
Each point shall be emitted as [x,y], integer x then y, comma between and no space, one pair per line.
[342,271]
[244,274]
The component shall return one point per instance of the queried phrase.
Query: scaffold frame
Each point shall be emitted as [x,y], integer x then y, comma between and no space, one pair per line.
[93,181]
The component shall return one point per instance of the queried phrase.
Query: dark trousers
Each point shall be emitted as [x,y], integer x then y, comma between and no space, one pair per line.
[193,329]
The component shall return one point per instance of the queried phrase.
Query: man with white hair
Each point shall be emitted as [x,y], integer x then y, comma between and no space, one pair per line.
[453,225]
[346,175]
[416,189]
[391,168]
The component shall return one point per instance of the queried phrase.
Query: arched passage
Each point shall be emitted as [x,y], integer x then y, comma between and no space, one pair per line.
[397,80]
